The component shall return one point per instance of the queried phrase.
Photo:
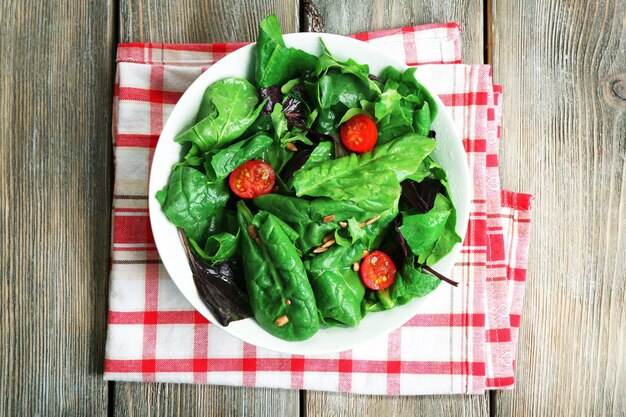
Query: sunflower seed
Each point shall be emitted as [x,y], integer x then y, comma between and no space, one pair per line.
[372,220]
[282,320]
[328,243]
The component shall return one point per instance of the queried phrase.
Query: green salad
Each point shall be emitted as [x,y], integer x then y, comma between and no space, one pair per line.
[307,197]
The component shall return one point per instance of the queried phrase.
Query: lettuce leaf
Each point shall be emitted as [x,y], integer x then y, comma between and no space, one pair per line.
[371,180]
[228,108]
[275,63]
[192,203]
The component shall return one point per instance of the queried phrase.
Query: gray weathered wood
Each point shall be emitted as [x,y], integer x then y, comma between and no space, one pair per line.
[56,65]
[359,16]
[563,67]
[178,400]
[201,21]
[345,17]
[319,404]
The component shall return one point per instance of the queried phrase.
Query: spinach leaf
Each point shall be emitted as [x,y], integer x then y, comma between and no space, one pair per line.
[325,122]
[370,180]
[361,71]
[404,106]
[261,217]
[338,289]
[417,93]
[307,158]
[410,283]
[353,112]
[377,231]
[388,102]
[356,231]
[446,242]
[275,63]
[413,283]
[307,217]
[421,120]
[281,128]
[410,89]
[276,156]
[422,231]
[219,247]
[279,120]
[321,153]
[278,288]
[193,156]
[336,87]
[225,161]
[192,203]
[263,123]
[228,108]
[400,123]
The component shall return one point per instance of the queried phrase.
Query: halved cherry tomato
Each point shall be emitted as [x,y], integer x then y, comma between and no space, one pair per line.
[252,179]
[359,133]
[377,271]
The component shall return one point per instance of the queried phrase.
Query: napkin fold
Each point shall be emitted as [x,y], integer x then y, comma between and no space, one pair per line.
[464,344]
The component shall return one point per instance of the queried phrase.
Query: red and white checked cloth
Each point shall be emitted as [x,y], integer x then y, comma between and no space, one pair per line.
[465,344]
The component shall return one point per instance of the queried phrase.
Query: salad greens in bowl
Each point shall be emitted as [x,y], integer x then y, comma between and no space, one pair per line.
[308,192]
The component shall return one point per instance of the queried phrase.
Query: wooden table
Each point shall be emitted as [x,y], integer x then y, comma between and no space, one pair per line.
[563,67]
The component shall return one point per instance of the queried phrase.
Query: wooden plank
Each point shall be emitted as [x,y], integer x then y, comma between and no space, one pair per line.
[187,401]
[56,65]
[320,404]
[359,16]
[563,68]
[362,15]
[201,21]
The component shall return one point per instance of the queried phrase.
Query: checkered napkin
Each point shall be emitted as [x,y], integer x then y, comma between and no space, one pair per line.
[464,342]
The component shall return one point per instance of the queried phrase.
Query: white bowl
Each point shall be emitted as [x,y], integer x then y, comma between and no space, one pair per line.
[449,153]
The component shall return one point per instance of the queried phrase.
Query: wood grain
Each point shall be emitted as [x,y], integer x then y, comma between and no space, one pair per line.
[201,21]
[563,68]
[177,400]
[320,404]
[359,16]
[344,17]
[56,65]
